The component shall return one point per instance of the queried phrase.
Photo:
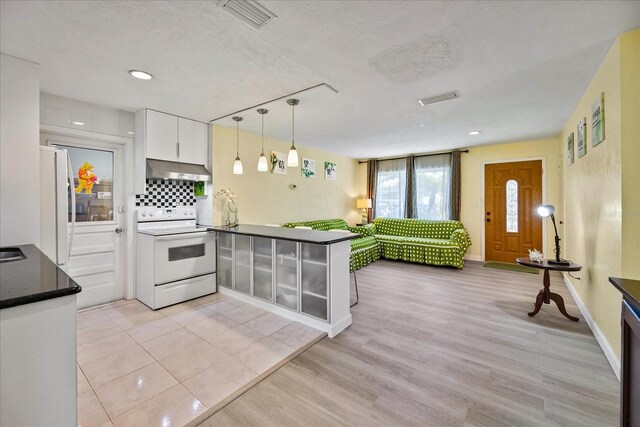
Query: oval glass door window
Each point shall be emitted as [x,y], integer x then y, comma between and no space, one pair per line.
[512,206]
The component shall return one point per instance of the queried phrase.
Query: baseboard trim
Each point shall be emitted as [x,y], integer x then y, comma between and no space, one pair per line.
[473,257]
[597,332]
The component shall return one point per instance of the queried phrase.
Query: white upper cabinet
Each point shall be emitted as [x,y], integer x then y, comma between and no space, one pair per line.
[164,136]
[193,138]
[161,136]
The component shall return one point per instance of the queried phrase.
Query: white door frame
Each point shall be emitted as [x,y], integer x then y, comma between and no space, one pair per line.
[76,136]
[544,194]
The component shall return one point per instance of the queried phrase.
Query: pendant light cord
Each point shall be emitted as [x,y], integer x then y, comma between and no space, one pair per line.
[262,133]
[293,126]
[237,139]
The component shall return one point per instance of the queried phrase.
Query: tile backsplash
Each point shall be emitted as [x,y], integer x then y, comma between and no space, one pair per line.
[163,193]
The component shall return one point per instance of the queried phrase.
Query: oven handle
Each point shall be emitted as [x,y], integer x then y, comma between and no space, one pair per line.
[184,236]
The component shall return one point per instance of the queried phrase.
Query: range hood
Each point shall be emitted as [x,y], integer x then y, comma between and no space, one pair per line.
[163,169]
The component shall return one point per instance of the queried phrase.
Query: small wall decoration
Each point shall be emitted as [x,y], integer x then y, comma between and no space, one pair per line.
[308,168]
[570,153]
[278,163]
[597,121]
[86,178]
[330,171]
[582,130]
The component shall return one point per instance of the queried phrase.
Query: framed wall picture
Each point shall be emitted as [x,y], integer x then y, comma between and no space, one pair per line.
[278,163]
[570,153]
[582,130]
[308,168]
[330,171]
[597,121]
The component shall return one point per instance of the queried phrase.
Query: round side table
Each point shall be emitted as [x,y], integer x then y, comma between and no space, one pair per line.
[545,295]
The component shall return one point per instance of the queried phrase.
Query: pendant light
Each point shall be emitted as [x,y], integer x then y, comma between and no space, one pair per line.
[292,159]
[262,160]
[237,164]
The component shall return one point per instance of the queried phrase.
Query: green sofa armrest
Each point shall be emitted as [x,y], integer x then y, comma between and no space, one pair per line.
[365,230]
[461,238]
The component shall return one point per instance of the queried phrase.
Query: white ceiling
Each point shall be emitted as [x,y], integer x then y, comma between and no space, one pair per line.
[519,67]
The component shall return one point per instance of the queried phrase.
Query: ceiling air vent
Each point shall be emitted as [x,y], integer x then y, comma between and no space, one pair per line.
[439,98]
[250,12]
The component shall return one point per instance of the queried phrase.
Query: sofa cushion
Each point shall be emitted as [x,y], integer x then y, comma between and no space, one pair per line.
[417,227]
[321,224]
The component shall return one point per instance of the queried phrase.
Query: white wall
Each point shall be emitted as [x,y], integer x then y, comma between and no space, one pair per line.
[19,151]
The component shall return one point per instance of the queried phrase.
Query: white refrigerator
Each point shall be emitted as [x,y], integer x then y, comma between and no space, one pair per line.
[56,193]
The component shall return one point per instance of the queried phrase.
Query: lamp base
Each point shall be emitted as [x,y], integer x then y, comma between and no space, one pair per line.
[561,262]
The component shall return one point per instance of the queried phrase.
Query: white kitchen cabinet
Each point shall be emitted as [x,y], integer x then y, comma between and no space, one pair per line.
[192,140]
[161,136]
[303,281]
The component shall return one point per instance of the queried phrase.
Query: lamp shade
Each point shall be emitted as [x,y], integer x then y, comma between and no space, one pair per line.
[546,210]
[363,203]
[292,159]
[262,163]
[237,166]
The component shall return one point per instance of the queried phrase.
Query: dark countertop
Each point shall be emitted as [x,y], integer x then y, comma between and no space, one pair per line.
[295,234]
[629,288]
[33,279]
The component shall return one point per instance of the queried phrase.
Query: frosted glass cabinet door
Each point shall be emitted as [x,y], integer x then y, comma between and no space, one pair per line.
[225,260]
[262,268]
[243,263]
[287,273]
[314,280]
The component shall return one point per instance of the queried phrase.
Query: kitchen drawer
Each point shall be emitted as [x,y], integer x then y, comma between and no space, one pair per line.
[183,290]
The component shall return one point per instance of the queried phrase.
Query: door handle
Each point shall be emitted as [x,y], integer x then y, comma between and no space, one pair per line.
[118,230]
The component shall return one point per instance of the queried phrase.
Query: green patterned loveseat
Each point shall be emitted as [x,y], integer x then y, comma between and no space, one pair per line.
[364,250]
[422,241]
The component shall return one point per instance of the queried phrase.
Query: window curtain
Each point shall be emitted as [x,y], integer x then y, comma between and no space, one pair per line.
[410,201]
[391,189]
[432,187]
[456,186]
[372,174]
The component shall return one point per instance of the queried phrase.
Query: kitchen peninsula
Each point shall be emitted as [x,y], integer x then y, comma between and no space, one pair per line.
[297,273]
[37,340]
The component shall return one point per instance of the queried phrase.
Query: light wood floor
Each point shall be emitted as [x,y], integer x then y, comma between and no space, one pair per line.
[440,347]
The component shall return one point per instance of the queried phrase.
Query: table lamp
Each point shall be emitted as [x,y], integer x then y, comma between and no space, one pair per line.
[363,204]
[546,211]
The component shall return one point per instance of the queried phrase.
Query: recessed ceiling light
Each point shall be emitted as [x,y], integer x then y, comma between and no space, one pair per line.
[474,132]
[421,125]
[78,123]
[130,133]
[142,75]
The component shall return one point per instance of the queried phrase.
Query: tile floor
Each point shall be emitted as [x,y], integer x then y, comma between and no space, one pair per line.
[178,365]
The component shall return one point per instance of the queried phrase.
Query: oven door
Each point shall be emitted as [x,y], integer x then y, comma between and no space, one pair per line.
[180,256]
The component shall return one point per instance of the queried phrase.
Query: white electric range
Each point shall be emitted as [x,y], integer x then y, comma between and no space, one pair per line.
[175,257]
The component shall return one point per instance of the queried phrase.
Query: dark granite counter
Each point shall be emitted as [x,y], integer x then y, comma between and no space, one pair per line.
[35,278]
[630,289]
[294,234]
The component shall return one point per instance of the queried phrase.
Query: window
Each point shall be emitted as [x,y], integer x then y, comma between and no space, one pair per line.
[391,188]
[432,186]
[93,183]
[512,206]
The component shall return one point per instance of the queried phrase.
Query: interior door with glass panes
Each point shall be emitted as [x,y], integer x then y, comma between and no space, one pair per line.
[96,260]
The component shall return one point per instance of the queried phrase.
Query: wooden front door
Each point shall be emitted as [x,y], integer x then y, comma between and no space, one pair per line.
[512,193]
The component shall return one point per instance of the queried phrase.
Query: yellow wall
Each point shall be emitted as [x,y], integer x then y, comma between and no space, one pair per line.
[630,106]
[601,188]
[266,198]
[472,165]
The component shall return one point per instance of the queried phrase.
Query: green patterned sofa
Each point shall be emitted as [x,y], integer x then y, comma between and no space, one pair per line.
[364,250]
[422,241]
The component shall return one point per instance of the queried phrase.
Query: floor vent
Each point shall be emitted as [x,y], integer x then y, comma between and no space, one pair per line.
[250,12]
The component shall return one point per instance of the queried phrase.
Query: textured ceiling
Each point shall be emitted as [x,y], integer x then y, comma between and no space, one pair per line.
[519,67]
